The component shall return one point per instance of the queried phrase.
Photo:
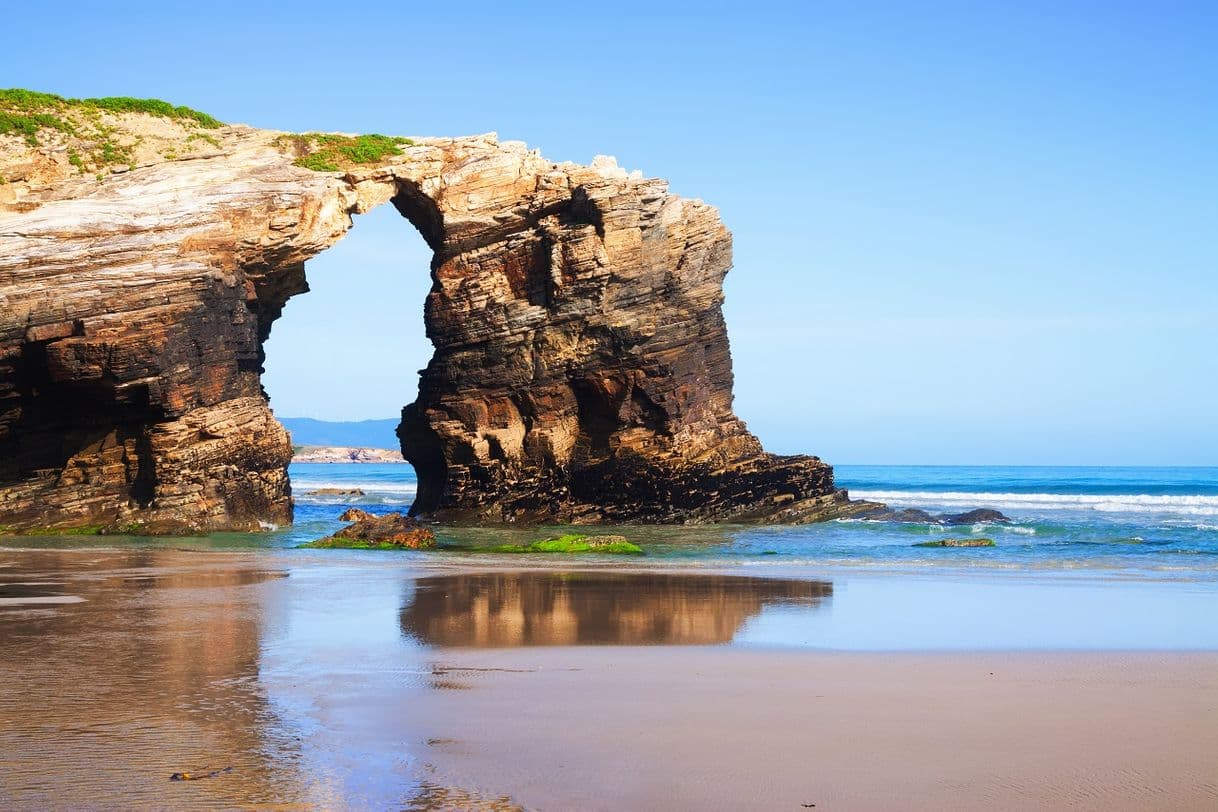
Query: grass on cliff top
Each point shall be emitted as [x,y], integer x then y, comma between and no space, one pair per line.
[324,152]
[27,112]
[571,543]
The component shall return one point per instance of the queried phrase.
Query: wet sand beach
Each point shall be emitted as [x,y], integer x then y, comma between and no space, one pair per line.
[382,681]
[744,729]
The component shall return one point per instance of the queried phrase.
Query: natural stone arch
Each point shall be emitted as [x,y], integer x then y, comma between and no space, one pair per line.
[581,369]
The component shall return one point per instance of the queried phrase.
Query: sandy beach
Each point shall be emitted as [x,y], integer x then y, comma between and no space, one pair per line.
[347,681]
[652,728]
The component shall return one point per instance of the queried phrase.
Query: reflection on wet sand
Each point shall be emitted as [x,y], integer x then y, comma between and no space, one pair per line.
[120,669]
[505,609]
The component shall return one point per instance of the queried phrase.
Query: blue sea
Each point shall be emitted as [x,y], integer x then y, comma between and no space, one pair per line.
[1123,520]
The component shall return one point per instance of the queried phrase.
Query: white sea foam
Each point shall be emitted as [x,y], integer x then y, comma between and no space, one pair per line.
[1106,503]
[307,488]
[375,492]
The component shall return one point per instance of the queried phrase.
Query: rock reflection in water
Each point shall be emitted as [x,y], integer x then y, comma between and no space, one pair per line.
[505,609]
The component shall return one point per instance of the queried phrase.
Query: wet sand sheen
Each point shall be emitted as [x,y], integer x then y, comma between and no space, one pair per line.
[647,728]
[352,680]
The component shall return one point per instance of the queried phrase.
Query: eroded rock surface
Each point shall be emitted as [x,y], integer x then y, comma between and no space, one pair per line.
[581,373]
[386,531]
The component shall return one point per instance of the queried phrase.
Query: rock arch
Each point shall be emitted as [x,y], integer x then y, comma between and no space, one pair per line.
[581,369]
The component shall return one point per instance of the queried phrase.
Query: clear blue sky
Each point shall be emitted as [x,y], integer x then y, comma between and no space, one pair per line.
[969,232]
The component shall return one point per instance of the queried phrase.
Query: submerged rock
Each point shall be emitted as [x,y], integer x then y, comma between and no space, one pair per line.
[337,492]
[392,531]
[979,516]
[917,516]
[957,543]
[905,516]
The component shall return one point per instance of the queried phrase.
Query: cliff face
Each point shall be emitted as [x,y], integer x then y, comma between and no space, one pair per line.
[581,370]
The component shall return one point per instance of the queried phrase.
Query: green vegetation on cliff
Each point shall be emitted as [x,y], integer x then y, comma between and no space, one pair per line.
[27,112]
[94,138]
[326,152]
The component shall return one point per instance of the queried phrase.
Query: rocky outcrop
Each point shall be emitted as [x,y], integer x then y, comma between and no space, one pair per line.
[978,516]
[581,369]
[976,542]
[881,513]
[386,531]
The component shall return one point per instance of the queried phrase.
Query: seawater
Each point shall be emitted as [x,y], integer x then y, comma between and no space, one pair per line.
[1139,521]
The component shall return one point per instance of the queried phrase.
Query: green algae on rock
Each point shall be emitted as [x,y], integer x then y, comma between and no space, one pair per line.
[392,531]
[958,543]
[575,543]
[336,543]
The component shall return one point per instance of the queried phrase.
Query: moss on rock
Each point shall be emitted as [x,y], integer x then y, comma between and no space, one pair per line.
[575,543]
[957,543]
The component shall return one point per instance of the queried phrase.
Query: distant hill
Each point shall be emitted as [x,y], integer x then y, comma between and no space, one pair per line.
[357,433]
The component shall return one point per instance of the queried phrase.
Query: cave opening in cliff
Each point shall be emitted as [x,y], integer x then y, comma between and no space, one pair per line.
[343,358]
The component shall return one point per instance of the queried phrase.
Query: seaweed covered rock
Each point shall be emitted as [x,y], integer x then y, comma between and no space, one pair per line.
[575,543]
[392,531]
[958,543]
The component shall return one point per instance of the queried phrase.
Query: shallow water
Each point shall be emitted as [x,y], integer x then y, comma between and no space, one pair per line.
[1117,522]
[1153,522]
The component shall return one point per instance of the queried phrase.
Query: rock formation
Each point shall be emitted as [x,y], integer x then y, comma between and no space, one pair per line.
[391,531]
[581,370]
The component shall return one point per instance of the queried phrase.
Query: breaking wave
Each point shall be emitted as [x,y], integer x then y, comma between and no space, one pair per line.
[1106,503]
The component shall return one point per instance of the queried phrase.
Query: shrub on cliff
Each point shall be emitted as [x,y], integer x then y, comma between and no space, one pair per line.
[326,152]
[27,112]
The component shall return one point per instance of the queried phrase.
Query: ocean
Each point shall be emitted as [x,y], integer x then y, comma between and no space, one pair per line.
[1140,521]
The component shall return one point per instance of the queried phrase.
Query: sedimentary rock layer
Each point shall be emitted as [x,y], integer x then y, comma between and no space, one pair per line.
[581,372]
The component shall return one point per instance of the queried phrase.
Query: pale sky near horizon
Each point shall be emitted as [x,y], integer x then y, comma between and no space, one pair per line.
[965,232]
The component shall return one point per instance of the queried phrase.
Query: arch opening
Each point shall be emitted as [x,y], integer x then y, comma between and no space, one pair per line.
[343,357]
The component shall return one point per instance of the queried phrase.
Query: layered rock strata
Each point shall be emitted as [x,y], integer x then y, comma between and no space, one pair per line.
[581,370]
